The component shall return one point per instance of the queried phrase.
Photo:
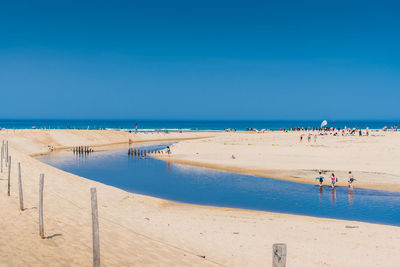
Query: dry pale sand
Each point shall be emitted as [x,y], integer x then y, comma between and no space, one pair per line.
[374,159]
[137,230]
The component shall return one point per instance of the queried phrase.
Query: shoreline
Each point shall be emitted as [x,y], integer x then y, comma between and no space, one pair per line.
[372,159]
[111,148]
[116,144]
[273,174]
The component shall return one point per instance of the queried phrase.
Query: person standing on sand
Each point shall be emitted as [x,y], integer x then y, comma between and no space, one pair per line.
[320,179]
[333,180]
[315,138]
[309,137]
[301,138]
[351,179]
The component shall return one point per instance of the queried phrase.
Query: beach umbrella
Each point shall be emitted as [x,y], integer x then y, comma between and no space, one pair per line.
[324,123]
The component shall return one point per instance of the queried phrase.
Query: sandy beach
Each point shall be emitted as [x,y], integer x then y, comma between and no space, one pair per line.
[137,230]
[372,159]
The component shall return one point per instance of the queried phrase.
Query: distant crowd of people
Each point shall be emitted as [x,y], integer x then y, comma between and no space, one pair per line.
[335,132]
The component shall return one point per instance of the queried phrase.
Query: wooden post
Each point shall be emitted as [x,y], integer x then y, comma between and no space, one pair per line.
[41,227]
[6,153]
[21,195]
[95,228]
[2,156]
[278,255]
[9,175]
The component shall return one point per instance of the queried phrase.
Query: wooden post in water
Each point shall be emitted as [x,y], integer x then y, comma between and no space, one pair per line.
[95,228]
[279,255]
[41,227]
[21,195]
[9,175]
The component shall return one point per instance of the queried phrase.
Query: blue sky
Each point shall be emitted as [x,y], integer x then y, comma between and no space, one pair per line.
[200,59]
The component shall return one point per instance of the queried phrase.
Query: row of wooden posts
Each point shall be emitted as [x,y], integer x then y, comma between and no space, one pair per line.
[136,152]
[82,150]
[6,159]
[278,250]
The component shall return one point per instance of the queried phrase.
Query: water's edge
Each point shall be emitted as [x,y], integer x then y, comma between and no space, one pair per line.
[243,189]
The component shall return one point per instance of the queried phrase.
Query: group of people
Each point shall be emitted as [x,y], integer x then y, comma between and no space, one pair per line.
[309,138]
[334,180]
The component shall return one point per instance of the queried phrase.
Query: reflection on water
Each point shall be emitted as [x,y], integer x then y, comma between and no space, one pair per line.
[333,196]
[210,187]
[351,196]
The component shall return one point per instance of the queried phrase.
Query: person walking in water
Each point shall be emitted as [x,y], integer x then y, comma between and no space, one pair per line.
[320,179]
[333,180]
[351,179]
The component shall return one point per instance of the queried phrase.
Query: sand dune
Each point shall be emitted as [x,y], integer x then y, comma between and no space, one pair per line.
[137,230]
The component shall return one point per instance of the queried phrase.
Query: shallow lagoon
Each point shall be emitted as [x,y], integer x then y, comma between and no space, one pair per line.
[204,186]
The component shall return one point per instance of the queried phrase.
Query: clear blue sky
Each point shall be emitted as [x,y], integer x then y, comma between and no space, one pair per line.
[200,59]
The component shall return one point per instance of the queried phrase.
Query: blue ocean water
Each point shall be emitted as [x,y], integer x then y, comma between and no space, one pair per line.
[188,125]
[203,186]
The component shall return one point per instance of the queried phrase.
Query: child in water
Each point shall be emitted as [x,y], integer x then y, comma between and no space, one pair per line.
[351,179]
[333,180]
[320,178]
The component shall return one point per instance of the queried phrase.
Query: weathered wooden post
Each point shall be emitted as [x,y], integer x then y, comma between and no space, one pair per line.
[279,255]
[95,228]
[41,227]
[9,175]
[21,196]
[2,156]
[6,153]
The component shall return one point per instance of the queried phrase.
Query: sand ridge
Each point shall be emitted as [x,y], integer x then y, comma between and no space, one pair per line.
[372,159]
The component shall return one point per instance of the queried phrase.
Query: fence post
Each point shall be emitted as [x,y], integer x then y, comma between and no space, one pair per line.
[41,227]
[278,255]
[21,195]
[6,153]
[95,228]
[9,175]
[2,155]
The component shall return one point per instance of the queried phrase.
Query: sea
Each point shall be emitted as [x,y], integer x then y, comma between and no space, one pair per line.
[188,125]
